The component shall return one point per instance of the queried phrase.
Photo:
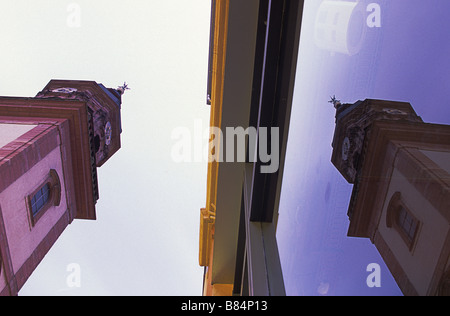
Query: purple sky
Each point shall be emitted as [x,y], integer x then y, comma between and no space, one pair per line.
[406,59]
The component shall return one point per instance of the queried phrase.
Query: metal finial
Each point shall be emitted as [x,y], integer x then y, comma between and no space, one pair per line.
[123,88]
[335,101]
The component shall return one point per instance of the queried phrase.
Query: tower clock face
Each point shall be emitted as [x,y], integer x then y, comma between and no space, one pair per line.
[108,133]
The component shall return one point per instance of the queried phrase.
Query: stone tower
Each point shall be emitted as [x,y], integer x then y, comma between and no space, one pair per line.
[50,148]
[400,170]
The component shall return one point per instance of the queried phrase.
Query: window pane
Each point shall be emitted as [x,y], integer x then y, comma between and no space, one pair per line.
[39,200]
[38,195]
[403,56]
[407,223]
[46,192]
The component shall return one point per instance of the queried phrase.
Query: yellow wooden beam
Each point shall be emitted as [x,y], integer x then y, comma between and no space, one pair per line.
[222,290]
[207,215]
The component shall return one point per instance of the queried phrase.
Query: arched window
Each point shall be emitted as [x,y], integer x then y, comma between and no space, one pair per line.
[402,219]
[48,194]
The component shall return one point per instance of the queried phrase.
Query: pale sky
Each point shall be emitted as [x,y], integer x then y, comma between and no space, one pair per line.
[145,240]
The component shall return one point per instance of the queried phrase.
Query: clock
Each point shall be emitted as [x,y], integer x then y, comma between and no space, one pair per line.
[108,133]
[64,90]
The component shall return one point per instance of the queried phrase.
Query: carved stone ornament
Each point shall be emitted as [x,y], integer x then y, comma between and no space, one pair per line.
[395,112]
[345,148]
[65,90]
[351,151]
[108,133]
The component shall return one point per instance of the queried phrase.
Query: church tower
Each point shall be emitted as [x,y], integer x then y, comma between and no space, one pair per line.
[400,170]
[50,148]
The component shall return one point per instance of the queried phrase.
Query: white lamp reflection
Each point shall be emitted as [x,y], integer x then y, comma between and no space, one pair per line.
[340,27]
